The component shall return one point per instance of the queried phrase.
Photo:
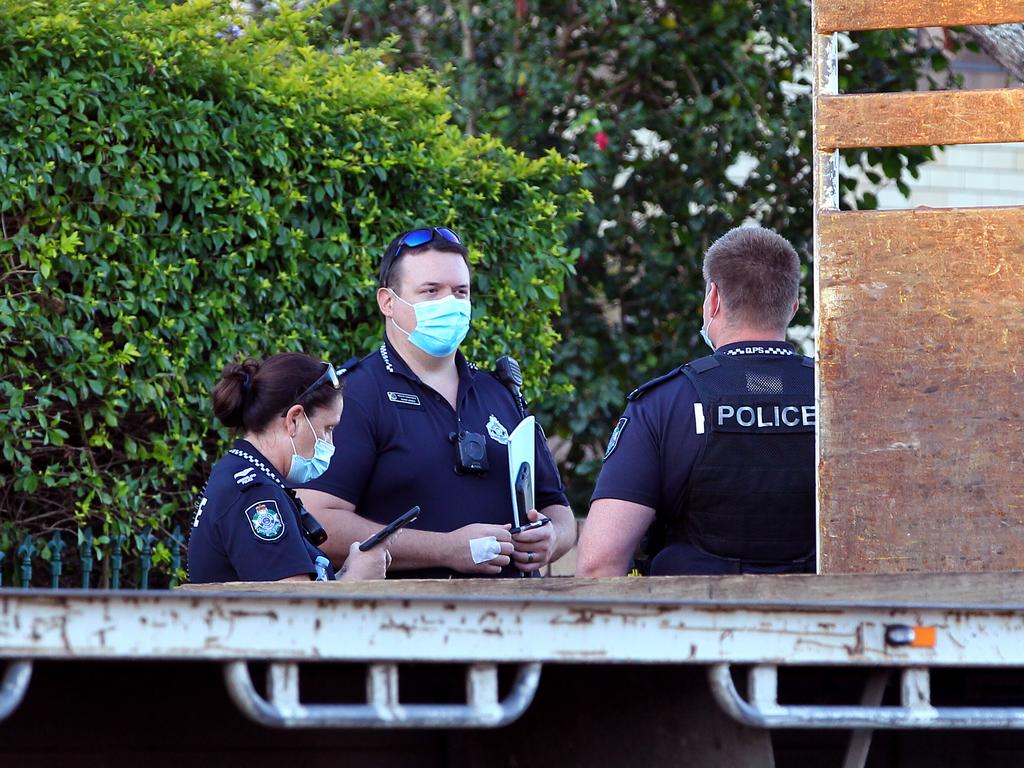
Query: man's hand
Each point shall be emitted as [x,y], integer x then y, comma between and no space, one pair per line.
[459,557]
[534,548]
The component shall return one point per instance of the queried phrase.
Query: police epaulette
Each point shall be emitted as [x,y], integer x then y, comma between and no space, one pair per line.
[349,364]
[636,393]
[808,361]
[703,364]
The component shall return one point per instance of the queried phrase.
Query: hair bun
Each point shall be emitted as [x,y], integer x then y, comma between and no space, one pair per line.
[232,391]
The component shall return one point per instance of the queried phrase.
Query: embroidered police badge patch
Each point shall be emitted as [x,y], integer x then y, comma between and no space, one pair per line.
[265,520]
[497,430]
[613,441]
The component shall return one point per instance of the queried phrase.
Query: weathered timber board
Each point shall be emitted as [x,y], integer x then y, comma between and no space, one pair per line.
[962,589]
[853,15]
[920,330]
[920,119]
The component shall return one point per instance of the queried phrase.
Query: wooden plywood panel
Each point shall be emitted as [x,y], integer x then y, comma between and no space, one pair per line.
[920,335]
[916,119]
[852,15]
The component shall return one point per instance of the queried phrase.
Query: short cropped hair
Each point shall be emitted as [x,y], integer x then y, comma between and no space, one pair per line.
[758,275]
[389,274]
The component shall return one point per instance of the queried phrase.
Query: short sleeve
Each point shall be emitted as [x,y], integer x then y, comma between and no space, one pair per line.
[355,455]
[631,469]
[260,535]
[550,490]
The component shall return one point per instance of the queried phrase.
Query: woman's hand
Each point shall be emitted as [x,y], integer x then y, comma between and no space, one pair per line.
[360,566]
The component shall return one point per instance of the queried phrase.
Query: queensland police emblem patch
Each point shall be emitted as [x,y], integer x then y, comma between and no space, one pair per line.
[613,441]
[265,520]
[497,430]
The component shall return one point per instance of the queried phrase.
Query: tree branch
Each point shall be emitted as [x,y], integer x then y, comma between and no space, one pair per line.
[1004,43]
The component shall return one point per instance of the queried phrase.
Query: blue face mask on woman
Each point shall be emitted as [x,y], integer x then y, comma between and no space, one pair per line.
[303,470]
[441,324]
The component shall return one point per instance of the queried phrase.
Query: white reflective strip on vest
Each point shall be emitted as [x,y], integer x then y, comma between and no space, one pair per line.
[698,417]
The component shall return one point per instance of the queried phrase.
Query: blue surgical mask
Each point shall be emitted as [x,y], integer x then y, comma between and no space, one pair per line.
[441,324]
[303,470]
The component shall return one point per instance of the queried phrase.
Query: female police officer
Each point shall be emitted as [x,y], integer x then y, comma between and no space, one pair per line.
[249,525]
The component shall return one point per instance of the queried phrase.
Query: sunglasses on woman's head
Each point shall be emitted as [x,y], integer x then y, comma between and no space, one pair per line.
[329,375]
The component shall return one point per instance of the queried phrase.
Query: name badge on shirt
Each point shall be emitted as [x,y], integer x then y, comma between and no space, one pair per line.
[403,398]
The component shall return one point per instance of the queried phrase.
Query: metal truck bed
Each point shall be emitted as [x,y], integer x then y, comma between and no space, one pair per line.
[426,672]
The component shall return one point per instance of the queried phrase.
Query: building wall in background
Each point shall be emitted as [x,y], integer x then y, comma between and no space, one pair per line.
[968,175]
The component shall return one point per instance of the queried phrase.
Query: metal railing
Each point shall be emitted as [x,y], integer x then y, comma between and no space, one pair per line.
[95,563]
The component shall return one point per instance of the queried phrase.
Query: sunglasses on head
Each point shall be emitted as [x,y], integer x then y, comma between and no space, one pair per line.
[422,236]
[328,376]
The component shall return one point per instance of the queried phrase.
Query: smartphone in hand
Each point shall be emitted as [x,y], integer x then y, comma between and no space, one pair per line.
[387,530]
[524,490]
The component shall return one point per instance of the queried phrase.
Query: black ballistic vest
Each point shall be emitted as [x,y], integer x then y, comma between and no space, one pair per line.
[750,495]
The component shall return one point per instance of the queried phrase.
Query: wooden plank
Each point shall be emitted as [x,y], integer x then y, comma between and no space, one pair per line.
[920,339]
[961,589]
[856,15]
[917,119]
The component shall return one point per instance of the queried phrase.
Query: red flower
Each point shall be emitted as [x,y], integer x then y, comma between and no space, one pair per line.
[601,140]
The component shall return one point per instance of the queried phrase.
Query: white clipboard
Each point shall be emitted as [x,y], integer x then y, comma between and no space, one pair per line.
[521,449]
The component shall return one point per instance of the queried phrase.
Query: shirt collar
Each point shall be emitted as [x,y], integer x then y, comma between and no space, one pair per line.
[762,348]
[395,364]
[247,447]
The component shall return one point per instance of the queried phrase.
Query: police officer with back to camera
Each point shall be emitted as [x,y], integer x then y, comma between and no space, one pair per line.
[248,525]
[718,454]
[424,427]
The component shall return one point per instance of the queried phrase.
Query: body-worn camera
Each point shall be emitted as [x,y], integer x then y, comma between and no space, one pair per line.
[470,452]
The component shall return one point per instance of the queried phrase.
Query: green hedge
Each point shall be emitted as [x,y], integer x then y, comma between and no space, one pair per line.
[174,193]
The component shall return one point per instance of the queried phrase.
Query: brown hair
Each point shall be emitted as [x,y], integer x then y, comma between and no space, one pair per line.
[389,275]
[758,274]
[251,394]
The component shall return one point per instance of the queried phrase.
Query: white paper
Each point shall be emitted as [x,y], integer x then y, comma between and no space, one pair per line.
[521,447]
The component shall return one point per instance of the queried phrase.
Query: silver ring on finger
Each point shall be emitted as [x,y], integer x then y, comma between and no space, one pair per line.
[529,557]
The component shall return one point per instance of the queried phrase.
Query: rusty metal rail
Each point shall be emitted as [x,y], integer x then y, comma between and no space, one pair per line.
[14,685]
[383,708]
[915,711]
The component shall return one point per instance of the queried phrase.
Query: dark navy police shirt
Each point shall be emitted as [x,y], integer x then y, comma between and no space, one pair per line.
[654,445]
[393,450]
[246,526]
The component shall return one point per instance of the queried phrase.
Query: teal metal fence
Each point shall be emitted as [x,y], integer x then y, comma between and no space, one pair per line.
[83,561]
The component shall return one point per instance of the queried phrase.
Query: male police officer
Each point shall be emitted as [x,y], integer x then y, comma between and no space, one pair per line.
[424,427]
[719,453]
